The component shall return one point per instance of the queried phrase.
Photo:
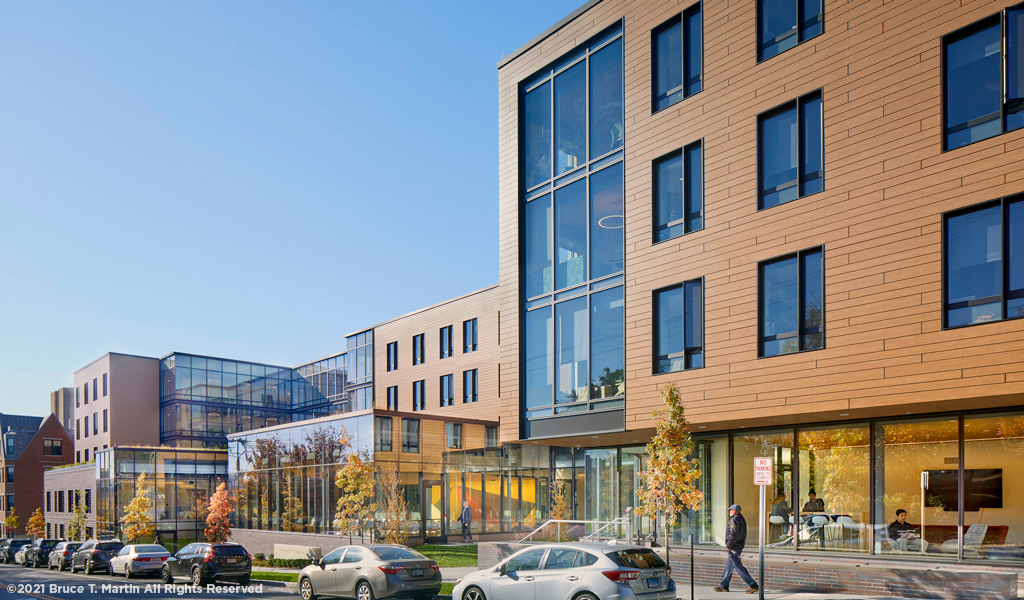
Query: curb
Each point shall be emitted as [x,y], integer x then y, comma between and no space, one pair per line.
[274,583]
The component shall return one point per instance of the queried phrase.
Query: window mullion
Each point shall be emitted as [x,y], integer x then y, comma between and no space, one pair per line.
[799,25]
[800,149]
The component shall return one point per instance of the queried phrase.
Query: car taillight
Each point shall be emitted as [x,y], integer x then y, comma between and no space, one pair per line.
[436,568]
[668,571]
[209,557]
[67,553]
[622,575]
[390,570]
[249,556]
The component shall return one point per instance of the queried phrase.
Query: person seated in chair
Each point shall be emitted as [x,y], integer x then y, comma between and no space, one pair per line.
[814,504]
[903,536]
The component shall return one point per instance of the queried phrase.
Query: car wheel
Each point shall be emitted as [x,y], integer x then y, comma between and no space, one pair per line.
[127,572]
[165,575]
[585,596]
[88,567]
[71,567]
[473,593]
[197,577]
[364,591]
[306,589]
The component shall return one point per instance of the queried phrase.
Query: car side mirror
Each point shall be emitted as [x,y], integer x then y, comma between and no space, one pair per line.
[503,570]
[322,564]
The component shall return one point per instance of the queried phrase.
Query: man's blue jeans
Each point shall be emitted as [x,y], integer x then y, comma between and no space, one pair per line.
[466,532]
[731,563]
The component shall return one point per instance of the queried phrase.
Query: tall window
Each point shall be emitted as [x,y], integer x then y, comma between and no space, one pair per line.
[411,435]
[984,262]
[469,336]
[10,502]
[78,397]
[104,420]
[446,341]
[419,401]
[104,385]
[417,349]
[983,87]
[49,505]
[790,151]
[86,426]
[86,394]
[679,323]
[95,424]
[782,24]
[393,397]
[447,391]
[78,430]
[393,356]
[469,386]
[10,474]
[95,388]
[677,58]
[791,302]
[52,448]
[490,436]
[679,193]
[453,435]
[382,434]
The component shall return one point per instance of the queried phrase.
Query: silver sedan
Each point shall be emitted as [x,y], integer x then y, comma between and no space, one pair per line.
[135,559]
[579,571]
[371,571]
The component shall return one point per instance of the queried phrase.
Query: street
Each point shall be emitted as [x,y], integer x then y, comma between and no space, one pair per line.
[17,582]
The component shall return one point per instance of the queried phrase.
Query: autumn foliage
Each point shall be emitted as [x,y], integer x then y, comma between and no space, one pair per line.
[357,485]
[394,528]
[218,520]
[137,521]
[36,524]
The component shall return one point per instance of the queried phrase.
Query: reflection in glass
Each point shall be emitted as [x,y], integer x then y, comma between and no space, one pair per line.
[810,116]
[1015,255]
[812,304]
[669,348]
[779,158]
[606,99]
[973,86]
[538,339]
[777,445]
[780,307]
[607,344]
[974,265]
[694,302]
[778,26]
[537,135]
[606,222]
[571,351]
[708,524]
[812,22]
[993,463]
[694,52]
[668,70]
[538,247]
[668,194]
[571,235]
[835,464]
[571,118]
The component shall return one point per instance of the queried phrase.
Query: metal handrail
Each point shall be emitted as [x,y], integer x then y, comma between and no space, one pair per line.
[558,523]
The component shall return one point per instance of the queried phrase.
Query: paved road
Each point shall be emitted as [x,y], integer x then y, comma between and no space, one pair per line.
[21,583]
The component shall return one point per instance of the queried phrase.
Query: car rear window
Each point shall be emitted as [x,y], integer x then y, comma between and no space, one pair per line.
[72,546]
[391,553]
[228,551]
[48,544]
[107,546]
[141,549]
[638,558]
[20,543]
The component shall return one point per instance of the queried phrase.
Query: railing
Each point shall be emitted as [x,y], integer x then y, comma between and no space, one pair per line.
[594,535]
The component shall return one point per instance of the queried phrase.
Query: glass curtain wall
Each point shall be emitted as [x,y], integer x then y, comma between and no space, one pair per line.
[834,465]
[993,459]
[573,245]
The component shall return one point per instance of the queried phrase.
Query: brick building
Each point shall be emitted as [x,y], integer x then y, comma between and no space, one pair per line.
[32,445]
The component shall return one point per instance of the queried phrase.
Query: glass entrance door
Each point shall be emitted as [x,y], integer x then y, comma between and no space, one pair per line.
[433,513]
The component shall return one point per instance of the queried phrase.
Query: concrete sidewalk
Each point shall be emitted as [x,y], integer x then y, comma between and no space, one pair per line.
[706,593]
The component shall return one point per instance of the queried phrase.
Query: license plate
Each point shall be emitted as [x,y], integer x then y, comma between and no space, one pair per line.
[416,572]
[232,560]
[653,582]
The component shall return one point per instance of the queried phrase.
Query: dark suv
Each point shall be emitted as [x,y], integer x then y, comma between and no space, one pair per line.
[202,562]
[61,554]
[95,554]
[39,554]
[11,548]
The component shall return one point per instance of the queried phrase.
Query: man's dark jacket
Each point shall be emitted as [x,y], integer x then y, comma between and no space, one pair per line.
[736,533]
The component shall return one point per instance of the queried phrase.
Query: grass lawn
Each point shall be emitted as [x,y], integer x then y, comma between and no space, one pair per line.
[272,576]
[446,589]
[450,556]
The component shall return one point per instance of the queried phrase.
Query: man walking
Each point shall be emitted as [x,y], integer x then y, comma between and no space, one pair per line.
[735,538]
[466,519]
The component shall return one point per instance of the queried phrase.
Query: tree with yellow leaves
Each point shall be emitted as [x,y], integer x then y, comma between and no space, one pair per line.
[136,521]
[394,528]
[356,482]
[36,524]
[11,522]
[218,519]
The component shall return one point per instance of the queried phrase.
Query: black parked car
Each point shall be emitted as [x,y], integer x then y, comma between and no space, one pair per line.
[202,562]
[39,553]
[10,548]
[60,556]
[95,554]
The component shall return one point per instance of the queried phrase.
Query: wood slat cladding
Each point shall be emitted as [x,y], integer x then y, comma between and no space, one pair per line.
[481,305]
[886,184]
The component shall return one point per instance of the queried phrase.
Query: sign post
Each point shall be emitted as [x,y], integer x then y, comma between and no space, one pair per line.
[762,478]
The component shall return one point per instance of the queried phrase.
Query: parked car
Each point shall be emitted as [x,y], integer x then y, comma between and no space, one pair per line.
[38,554]
[19,556]
[10,548]
[372,571]
[60,556]
[202,562]
[578,571]
[95,555]
[135,559]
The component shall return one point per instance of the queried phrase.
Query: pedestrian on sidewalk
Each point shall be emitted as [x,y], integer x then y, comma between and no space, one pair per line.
[735,539]
[466,519]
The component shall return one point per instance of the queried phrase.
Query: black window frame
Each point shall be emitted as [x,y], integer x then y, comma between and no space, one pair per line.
[49,445]
[800,331]
[419,392]
[688,351]
[453,436]
[9,478]
[105,421]
[418,346]
[383,429]
[446,384]
[802,178]
[679,19]
[682,154]
[491,433]
[392,398]
[410,445]
[1005,293]
[797,30]
[445,338]
[470,386]
[1007,106]
[469,336]
[392,356]
[104,385]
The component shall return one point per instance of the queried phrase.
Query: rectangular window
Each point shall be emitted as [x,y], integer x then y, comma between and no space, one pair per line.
[86,394]
[411,435]
[491,436]
[95,388]
[10,444]
[417,349]
[607,344]
[78,397]
[447,391]
[78,429]
[393,356]
[453,435]
[419,401]
[984,262]
[52,448]
[10,474]
[382,434]
[86,426]
[105,424]
[782,24]
[677,58]
[10,502]
[49,507]
[95,424]
[983,79]
[679,193]
[86,455]
[60,501]
[88,497]
[469,336]
[679,323]
[469,386]
[790,151]
[446,341]
[104,385]
[393,397]
[791,302]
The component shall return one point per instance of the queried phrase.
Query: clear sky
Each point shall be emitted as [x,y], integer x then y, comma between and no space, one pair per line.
[250,180]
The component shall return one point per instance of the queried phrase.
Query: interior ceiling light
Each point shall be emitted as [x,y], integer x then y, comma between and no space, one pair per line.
[611,222]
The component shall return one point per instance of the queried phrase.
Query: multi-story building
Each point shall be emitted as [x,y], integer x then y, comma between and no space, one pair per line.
[31,446]
[116,398]
[62,404]
[66,488]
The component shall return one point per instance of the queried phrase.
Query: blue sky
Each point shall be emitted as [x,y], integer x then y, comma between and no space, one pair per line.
[243,179]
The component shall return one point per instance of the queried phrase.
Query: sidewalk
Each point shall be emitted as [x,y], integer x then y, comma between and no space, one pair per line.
[706,593]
